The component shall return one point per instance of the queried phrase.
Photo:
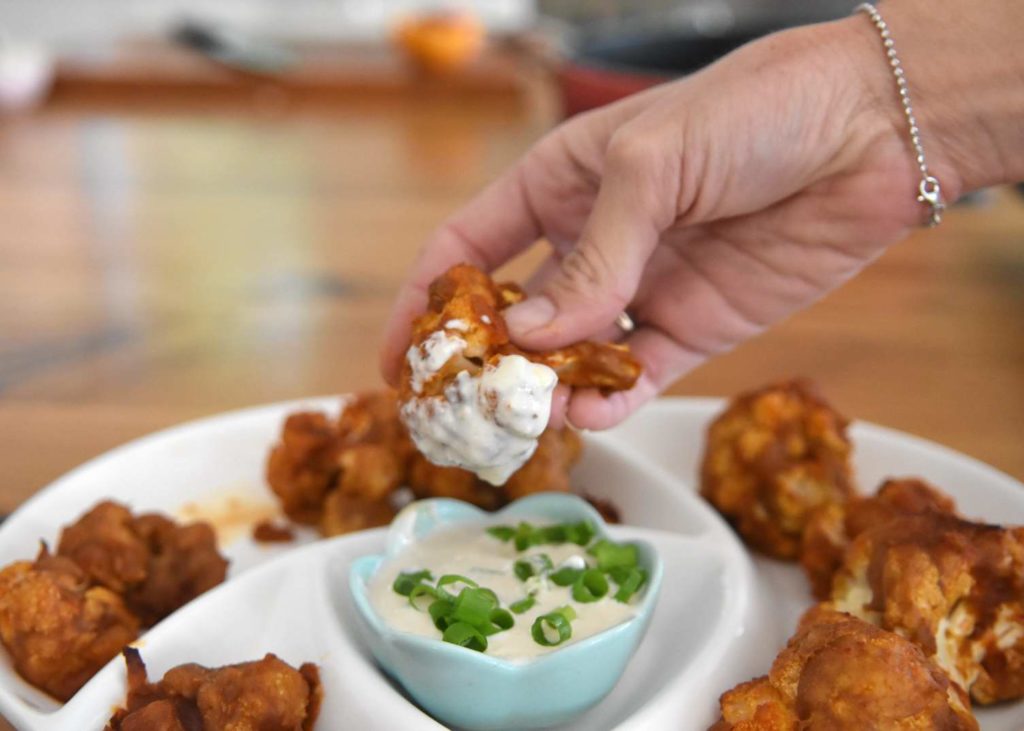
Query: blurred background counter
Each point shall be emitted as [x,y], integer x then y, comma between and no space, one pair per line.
[206,206]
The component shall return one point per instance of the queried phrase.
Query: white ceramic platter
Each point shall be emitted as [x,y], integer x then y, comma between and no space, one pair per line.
[716,623]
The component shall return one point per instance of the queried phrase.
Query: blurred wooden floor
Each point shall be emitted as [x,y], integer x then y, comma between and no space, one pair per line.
[160,261]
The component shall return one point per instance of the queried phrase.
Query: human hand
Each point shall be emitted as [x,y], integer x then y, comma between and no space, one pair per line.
[710,208]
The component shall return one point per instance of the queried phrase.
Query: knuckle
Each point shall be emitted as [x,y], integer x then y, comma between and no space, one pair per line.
[630,151]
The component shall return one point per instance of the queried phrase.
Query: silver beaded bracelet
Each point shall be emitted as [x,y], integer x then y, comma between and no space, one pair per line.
[928,189]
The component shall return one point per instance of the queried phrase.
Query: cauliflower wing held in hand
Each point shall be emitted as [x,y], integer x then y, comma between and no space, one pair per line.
[473,400]
[156,564]
[954,588]
[839,673]
[58,629]
[263,695]
[776,455]
[832,527]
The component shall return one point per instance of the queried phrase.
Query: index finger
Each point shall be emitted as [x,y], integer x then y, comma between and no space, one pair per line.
[488,231]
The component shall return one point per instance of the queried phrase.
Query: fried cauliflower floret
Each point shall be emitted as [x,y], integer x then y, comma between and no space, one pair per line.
[473,400]
[954,588]
[303,467]
[772,458]
[832,527]
[156,564]
[346,513]
[838,673]
[322,467]
[58,629]
[263,695]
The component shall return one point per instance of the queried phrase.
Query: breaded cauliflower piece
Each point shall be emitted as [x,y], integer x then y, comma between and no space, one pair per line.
[339,474]
[58,629]
[838,673]
[772,458]
[262,695]
[833,526]
[154,563]
[954,588]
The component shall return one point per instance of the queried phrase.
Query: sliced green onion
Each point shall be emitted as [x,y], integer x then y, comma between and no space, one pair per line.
[553,628]
[579,533]
[464,635]
[441,612]
[630,585]
[448,579]
[532,566]
[590,586]
[527,535]
[620,573]
[474,606]
[424,590]
[503,533]
[611,555]
[503,618]
[406,581]
[523,604]
[565,576]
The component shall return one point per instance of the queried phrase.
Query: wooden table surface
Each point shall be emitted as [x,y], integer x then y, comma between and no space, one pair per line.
[164,259]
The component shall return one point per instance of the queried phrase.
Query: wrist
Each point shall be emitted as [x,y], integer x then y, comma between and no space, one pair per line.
[966,76]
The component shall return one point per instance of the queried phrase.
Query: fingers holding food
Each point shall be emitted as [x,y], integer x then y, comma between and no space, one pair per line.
[473,400]
[774,457]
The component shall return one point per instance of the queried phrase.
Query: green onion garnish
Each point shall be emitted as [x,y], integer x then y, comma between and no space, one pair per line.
[565,576]
[502,618]
[532,566]
[630,585]
[526,535]
[441,612]
[503,533]
[406,581]
[523,604]
[425,590]
[553,628]
[454,579]
[590,586]
[499,621]
[474,606]
[612,555]
[464,635]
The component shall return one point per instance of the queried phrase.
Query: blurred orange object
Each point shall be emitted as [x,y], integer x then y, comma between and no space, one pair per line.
[441,42]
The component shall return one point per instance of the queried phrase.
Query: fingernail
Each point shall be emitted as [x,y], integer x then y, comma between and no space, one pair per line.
[531,314]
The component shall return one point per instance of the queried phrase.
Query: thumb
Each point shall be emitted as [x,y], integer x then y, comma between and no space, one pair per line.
[599,277]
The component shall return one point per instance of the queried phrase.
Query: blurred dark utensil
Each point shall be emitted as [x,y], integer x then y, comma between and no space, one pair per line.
[233,49]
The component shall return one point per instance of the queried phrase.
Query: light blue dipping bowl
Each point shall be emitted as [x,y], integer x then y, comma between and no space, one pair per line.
[473,690]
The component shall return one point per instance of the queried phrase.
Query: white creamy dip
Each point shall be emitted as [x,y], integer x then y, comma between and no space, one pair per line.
[471,552]
[487,424]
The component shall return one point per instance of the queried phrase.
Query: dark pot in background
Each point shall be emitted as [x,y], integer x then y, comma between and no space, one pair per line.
[609,59]
[608,69]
